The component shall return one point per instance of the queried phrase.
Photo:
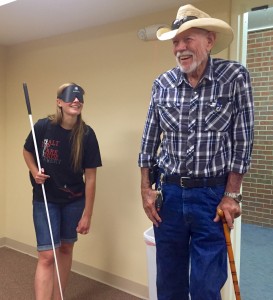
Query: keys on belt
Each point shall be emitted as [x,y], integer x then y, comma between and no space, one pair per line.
[158,200]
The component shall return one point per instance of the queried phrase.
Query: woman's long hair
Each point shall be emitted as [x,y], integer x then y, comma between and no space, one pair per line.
[77,134]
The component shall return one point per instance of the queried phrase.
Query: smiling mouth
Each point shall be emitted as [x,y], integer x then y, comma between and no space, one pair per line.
[184,57]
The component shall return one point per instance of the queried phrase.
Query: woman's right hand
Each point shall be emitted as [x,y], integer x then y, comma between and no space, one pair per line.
[40,177]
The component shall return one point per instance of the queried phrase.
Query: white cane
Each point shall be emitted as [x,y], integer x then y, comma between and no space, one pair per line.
[43,187]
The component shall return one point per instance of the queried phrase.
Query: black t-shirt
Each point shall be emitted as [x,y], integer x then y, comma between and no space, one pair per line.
[54,147]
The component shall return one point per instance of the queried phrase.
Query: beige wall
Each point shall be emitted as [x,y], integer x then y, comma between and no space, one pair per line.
[117,70]
[2,139]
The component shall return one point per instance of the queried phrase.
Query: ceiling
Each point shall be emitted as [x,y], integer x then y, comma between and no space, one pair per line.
[26,20]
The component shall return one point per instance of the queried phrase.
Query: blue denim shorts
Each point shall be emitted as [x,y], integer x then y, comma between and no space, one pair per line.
[64,219]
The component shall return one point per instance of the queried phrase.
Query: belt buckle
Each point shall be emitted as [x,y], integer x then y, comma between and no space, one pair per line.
[181,181]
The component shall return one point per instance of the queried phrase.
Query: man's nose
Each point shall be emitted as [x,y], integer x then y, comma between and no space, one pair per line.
[180,46]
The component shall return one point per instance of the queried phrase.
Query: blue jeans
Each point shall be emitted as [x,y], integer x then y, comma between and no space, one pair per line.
[191,248]
[64,219]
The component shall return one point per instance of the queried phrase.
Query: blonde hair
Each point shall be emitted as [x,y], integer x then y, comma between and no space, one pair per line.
[77,134]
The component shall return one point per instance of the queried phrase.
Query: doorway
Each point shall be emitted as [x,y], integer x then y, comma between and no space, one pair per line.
[256,264]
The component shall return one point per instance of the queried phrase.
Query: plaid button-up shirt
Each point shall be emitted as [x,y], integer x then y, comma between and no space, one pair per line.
[214,121]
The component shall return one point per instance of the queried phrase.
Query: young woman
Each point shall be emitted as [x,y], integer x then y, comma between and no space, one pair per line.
[69,155]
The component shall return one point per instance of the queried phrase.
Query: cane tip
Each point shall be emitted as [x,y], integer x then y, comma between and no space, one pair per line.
[220,212]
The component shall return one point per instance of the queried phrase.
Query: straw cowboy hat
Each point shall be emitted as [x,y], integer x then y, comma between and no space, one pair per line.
[188,17]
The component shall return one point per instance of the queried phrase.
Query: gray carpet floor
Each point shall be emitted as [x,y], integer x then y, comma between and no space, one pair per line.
[17,276]
[256,273]
[256,278]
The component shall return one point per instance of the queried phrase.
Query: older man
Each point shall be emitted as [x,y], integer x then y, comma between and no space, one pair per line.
[199,131]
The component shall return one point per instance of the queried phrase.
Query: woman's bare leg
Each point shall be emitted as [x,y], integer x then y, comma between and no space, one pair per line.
[44,275]
[64,258]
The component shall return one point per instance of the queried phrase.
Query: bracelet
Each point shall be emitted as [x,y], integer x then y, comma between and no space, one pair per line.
[237,200]
[235,196]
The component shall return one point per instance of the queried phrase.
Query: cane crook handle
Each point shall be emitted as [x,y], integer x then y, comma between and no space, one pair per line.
[220,213]
[230,255]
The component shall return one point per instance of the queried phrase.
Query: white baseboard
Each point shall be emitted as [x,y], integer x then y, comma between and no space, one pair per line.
[115,281]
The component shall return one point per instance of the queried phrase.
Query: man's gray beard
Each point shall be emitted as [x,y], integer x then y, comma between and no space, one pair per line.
[192,68]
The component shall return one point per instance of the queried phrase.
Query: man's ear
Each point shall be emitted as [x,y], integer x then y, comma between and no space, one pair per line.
[211,39]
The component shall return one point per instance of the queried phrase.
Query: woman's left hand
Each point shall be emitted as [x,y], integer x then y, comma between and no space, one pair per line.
[83,225]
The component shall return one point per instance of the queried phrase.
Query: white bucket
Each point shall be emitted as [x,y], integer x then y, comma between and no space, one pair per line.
[151,260]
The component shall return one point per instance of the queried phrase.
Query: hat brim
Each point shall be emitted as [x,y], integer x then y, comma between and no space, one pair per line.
[224,33]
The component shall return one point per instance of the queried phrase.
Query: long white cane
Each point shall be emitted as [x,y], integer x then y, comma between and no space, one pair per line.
[43,187]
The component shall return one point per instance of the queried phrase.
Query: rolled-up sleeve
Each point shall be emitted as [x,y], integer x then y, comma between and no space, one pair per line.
[243,129]
[151,135]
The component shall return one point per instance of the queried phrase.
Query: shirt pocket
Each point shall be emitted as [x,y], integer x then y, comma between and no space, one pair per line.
[218,115]
[170,115]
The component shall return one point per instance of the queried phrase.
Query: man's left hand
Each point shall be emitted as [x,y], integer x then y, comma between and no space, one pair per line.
[231,210]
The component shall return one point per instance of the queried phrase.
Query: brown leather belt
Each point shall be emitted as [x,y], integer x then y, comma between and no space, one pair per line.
[191,182]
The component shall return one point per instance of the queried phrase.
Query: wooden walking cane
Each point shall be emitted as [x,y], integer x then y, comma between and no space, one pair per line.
[230,255]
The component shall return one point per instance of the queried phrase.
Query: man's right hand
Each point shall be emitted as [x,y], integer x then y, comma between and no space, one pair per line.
[148,199]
